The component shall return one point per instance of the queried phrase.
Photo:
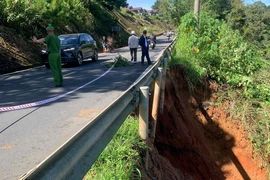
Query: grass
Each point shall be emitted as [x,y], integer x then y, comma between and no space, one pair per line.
[256,117]
[121,157]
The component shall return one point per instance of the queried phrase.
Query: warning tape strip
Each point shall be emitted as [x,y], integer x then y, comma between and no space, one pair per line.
[46,101]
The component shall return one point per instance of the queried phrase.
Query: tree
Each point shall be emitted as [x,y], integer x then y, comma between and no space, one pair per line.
[113,4]
[219,8]
[257,27]
[2,15]
[236,19]
[173,10]
[156,4]
[178,9]
[109,4]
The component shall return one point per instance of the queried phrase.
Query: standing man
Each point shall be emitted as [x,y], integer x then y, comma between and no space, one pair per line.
[133,46]
[104,44]
[145,47]
[54,56]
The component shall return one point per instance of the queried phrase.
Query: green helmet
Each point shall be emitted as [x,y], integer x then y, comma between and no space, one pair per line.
[50,28]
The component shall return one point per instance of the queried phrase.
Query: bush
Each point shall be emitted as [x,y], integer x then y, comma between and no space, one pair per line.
[218,50]
[214,50]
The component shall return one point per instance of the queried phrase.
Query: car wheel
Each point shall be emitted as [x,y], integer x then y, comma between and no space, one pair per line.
[95,57]
[79,59]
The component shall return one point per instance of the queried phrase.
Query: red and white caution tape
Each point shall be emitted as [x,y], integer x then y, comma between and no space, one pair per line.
[46,101]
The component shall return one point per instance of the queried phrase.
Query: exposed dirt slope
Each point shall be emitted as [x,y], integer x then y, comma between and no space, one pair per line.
[16,53]
[199,139]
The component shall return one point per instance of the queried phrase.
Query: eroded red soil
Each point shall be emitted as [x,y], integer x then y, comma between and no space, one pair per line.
[197,140]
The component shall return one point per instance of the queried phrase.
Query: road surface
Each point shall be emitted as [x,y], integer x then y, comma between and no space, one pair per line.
[29,135]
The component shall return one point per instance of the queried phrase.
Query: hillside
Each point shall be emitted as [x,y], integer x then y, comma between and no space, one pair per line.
[16,53]
[194,139]
[199,139]
[19,52]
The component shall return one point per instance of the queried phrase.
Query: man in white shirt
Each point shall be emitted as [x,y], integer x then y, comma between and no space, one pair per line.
[133,46]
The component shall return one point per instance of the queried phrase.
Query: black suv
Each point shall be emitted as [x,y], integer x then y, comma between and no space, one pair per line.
[75,48]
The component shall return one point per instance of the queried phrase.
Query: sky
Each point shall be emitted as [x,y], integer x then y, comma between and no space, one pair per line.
[146,4]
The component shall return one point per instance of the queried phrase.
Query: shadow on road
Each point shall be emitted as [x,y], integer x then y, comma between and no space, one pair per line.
[37,84]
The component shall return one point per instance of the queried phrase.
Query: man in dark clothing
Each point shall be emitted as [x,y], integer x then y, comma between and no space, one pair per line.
[145,48]
[54,56]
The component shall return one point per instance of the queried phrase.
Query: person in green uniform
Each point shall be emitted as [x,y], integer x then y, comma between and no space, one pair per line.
[54,56]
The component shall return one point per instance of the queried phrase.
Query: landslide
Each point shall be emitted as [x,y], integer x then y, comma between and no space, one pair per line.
[197,139]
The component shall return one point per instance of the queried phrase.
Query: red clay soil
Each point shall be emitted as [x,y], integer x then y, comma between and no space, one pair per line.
[197,140]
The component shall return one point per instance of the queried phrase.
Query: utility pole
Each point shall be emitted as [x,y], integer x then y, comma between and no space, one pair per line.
[197,10]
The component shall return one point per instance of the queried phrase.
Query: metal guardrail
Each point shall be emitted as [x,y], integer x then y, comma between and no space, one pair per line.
[73,159]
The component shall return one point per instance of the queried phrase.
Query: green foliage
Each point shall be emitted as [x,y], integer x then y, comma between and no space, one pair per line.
[108,4]
[193,72]
[113,4]
[219,50]
[216,51]
[101,17]
[119,61]
[218,8]
[238,59]
[156,4]
[121,155]
[253,21]
[237,18]
[260,88]
[255,114]
[61,13]
[179,8]
[173,10]
[256,28]
[15,10]
[32,18]
[2,8]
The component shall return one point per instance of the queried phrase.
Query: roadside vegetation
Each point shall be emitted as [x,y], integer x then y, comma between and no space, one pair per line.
[121,158]
[22,19]
[215,51]
[231,46]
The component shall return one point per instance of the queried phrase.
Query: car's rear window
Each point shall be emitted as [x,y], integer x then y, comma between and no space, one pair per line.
[68,40]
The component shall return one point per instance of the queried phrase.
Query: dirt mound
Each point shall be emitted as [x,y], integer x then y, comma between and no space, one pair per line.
[199,139]
[160,168]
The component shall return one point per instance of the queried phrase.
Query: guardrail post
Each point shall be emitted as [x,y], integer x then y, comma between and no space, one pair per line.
[156,100]
[162,90]
[168,53]
[143,118]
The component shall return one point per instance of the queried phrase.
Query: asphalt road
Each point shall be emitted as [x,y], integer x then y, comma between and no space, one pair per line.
[29,135]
